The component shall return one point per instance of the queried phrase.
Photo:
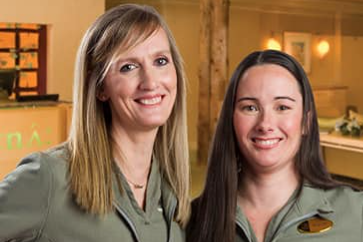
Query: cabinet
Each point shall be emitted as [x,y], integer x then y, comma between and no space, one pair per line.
[26,128]
[343,155]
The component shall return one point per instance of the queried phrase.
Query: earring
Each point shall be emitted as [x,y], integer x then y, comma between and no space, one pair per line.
[239,164]
[239,167]
[102,97]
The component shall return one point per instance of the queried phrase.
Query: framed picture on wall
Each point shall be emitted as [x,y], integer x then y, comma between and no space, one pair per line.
[298,45]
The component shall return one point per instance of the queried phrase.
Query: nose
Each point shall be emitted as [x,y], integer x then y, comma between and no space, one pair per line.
[265,122]
[148,79]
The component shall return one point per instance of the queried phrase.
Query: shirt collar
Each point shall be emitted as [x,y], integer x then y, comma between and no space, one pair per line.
[312,199]
[308,202]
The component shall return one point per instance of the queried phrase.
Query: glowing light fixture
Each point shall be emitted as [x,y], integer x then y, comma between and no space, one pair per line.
[323,48]
[273,44]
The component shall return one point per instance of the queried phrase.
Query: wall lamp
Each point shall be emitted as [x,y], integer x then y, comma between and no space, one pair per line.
[273,44]
[323,48]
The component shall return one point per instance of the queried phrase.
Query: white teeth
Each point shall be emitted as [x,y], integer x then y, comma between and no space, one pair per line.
[267,142]
[150,101]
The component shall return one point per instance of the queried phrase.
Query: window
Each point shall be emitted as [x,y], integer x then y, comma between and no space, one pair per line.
[23,49]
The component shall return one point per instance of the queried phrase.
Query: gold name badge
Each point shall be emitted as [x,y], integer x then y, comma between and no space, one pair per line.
[315,225]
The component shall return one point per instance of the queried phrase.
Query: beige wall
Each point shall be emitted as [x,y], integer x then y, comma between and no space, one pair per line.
[352,69]
[185,28]
[249,30]
[244,35]
[67,21]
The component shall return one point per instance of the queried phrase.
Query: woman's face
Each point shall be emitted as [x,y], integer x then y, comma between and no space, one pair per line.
[267,117]
[141,85]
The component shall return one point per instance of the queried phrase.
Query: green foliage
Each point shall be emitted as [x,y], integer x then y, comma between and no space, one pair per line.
[350,127]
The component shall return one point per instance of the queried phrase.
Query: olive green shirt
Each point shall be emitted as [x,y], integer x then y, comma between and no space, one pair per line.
[37,205]
[152,219]
[342,206]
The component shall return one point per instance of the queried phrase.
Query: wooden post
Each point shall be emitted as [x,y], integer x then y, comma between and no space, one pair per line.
[219,57]
[213,69]
[204,135]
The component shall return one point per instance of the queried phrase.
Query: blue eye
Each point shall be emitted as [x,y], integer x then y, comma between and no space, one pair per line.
[127,67]
[161,61]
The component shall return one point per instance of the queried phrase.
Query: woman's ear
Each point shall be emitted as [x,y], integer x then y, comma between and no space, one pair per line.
[101,95]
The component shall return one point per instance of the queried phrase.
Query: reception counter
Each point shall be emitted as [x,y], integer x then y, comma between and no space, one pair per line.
[30,127]
[343,154]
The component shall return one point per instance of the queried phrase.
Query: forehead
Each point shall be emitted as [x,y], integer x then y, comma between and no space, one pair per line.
[268,80]
[156,40]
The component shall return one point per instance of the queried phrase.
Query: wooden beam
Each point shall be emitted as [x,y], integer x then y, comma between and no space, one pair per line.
[213,69]
[204,134]
[219,57]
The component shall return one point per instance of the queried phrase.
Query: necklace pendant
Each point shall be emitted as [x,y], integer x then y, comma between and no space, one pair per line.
[137,186]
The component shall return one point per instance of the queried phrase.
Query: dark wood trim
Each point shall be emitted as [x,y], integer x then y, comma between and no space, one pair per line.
[42,58]
[18,50]
[20,30]
[27,89]
[42,61]
[17,61]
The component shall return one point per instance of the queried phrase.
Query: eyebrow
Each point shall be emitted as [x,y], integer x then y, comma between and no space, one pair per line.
[255,99]
[135,58]
[246,99]
[284,97]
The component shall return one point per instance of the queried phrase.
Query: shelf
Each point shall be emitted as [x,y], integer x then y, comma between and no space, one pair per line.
[338,141]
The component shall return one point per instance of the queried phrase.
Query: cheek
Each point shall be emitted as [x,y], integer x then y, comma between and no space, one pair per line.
[242,126]
[170,83]
[116,87]
[170,79]
[172,86]
[292,125]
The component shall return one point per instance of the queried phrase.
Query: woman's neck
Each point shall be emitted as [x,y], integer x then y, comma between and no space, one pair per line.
[263,195]
[133,152]
[271,190]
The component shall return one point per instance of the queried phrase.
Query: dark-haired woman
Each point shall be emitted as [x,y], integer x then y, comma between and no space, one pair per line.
[266,180]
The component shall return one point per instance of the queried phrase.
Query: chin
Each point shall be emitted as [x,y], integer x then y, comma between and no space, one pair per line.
[265,163]
[154,124]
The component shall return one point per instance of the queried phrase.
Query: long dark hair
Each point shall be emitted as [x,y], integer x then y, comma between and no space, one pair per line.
[214,211]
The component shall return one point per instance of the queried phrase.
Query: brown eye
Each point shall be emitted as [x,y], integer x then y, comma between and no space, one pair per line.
[283,108]
[250,108]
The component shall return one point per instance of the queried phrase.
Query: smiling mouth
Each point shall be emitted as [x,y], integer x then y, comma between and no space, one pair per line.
[266,143]
[150,101]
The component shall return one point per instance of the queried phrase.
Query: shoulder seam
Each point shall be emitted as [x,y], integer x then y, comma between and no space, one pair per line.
[50,192]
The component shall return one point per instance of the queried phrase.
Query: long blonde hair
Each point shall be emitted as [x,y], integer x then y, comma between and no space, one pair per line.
[91,161]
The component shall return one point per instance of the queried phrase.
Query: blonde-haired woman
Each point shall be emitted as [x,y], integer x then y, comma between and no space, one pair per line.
[123,175]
